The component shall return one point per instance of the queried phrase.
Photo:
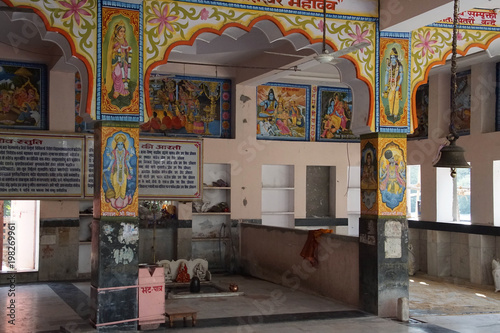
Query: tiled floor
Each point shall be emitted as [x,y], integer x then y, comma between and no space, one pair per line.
[264,307]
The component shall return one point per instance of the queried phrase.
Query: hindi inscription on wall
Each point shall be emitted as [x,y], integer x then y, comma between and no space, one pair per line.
[47,166]
[169,169]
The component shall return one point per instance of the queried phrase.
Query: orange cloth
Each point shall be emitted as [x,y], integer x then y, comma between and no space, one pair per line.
[310,249]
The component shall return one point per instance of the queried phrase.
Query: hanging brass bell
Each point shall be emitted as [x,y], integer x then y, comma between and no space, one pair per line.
[452,156]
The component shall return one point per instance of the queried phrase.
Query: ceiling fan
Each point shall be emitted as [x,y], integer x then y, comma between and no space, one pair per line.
[326,57]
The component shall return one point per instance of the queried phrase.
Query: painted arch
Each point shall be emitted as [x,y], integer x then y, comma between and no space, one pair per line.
[171,23]
[432,45]
[168,24]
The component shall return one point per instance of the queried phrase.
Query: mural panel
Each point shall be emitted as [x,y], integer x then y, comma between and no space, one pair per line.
[392,176]
[422,113]
[394,82]
[120,85]
[461,119]
[119,195]
[369,183]
[23,95]
[334,114]
[189,106]
[283,112]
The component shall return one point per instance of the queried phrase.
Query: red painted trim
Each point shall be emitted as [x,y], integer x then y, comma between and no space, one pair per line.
[73,50]
[442,62]
[247,29]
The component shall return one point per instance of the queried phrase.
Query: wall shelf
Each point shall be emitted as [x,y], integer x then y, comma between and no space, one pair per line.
[278,195]
[278,213]
[210,227]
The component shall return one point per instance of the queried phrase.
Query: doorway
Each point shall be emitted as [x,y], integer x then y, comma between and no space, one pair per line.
[20,234]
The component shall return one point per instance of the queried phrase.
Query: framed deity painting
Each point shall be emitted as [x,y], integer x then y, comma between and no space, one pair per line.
[461,119]
[188,106]
[283,112]
[394,101]
[120,62]
[333,122]
[422,110]
[23,95]
[119,179]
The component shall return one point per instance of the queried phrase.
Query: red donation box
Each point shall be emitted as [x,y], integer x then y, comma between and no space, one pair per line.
[151,295]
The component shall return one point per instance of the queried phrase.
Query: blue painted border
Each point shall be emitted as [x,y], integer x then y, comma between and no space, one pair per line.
[44,94]
[140,83]
[394,129]
[307,126]
[410,97]
[463,26]
[395,34]
[377,79]
[497,109]
[319,119]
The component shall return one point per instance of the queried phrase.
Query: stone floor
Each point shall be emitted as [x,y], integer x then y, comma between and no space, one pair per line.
[435,306]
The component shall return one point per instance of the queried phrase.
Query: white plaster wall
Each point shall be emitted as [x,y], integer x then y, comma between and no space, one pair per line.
[246,155]
[481,145]
[273,254]
[61,102]
[55,209]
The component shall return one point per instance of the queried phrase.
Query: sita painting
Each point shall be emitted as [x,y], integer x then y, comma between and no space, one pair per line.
[22,95]
[334,114]
[393,85]
[189,106]
[283,112]
[119,172]
[120,90]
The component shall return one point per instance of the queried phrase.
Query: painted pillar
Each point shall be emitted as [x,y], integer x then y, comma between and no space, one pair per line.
[383,228]
[115,228]
[119,110]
